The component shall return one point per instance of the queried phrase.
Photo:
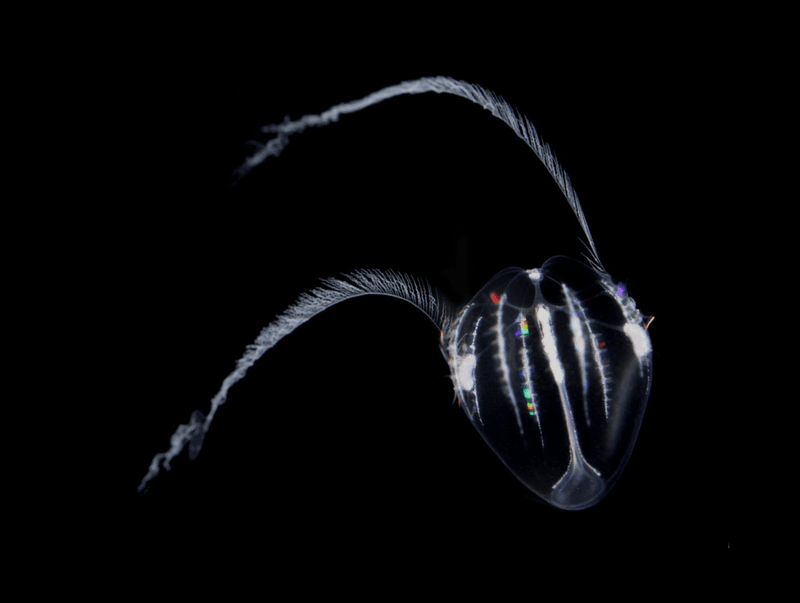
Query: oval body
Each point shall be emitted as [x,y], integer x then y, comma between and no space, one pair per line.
[553,368]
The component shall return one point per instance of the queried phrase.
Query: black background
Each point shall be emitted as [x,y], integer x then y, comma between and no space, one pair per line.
[347,430]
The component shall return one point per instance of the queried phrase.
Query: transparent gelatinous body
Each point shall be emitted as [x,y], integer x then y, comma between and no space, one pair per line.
[553,367]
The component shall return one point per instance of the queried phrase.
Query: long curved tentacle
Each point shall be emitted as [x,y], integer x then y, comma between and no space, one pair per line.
[487,99]
[362,282]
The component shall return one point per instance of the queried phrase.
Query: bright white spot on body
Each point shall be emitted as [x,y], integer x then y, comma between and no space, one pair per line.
[466,372]
[549,343]
[639,339]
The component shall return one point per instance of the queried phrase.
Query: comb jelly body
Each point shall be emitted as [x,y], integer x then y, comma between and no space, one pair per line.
[553,368]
